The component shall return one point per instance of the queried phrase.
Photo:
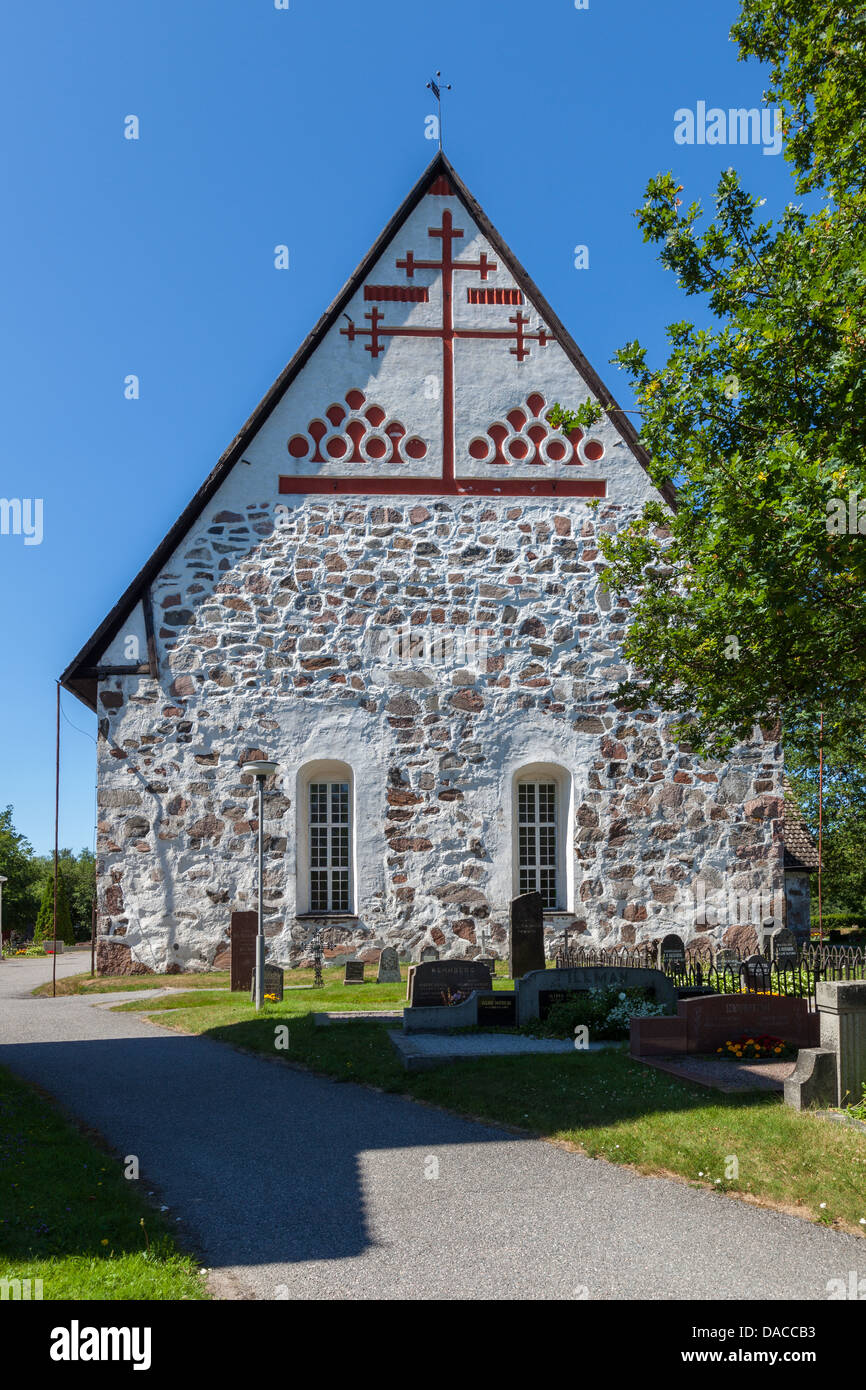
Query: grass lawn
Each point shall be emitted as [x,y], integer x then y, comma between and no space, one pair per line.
[71,1219]
[601,1102]
[113,984]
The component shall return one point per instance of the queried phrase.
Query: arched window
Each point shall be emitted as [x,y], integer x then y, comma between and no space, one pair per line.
[542,816]
[325,839]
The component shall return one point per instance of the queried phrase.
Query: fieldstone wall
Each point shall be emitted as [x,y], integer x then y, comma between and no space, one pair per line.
[276,634]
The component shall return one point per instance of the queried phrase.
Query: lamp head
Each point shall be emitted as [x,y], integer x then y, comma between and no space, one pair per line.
[260,768]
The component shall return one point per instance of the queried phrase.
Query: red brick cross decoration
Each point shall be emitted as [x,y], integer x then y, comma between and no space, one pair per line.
[377,335]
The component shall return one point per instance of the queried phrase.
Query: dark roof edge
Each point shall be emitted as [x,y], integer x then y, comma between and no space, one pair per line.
[71,678]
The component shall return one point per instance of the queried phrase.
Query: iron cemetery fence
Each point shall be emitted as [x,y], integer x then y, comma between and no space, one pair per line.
[739,974]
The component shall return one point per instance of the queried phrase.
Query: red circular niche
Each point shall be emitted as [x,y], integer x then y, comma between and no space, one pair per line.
[298,446]
[593,450]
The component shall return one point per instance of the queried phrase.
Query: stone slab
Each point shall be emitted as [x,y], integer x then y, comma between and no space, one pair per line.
[424,1050]
[720,1075]
[357,1015]
[244,927]
[709,1021]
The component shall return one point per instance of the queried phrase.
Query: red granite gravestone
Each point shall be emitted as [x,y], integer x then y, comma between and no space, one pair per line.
[707,1023]
[243,947]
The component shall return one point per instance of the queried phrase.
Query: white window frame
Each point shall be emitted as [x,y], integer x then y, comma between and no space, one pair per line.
[325,772]
[541,774]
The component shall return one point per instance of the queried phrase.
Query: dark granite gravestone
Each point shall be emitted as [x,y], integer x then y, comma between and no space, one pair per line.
[672,954]
[273,984]
[489,961]
[389,967]
[435,981]
[526,945]
[244,927]
[429,953]
[497,1010]
[783,948]
[756,973]
[354,972]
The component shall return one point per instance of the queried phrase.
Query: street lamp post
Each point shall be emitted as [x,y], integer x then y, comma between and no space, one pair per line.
[3,880]
[260,770]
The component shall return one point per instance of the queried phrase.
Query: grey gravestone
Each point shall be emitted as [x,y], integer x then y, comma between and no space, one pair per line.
[389,967]
[55,946]
[783,948]
[672,954]
[273,983]
[354,972]
[755,971]
[726,957]
[435,981]
[536,992]
[526,948]
[429,953]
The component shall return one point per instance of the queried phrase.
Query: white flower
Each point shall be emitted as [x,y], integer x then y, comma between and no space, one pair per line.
[823,1205]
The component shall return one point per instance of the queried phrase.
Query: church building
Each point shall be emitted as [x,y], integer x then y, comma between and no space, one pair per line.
[390,586]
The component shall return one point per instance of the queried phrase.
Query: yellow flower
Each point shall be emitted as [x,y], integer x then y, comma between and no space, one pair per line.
[103,1242]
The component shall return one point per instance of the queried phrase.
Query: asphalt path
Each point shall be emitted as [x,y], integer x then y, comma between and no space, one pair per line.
[297,1187]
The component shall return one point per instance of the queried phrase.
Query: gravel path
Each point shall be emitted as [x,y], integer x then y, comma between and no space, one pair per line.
[295,1186]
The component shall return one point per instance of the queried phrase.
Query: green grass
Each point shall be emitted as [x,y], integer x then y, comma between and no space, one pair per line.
[71,1219]
[602,1102]
[115,984]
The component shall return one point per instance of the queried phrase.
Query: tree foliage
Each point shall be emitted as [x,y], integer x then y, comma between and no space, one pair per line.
[748,599]
[45,918]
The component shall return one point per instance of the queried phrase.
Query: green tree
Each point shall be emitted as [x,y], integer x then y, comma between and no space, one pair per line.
[748,595]
[18,867]
[45,919]
[843,802]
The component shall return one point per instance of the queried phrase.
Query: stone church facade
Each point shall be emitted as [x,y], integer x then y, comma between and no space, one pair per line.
[390,586]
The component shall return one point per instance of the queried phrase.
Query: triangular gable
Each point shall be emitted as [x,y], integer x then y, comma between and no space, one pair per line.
[361,441]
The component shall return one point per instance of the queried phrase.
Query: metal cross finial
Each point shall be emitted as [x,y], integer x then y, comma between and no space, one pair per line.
[437,86]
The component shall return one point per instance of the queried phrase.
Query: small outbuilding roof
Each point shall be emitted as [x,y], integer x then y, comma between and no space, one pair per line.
[801,852]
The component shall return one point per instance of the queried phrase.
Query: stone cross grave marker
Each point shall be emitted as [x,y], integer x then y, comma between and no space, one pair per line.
[274,981]
[244,926]
[435,981]
[526,944]
[354,974]
[389,967]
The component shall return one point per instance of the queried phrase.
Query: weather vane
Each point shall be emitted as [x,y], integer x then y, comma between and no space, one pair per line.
[436,86]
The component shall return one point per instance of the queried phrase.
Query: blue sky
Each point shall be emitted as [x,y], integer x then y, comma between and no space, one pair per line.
[303,127]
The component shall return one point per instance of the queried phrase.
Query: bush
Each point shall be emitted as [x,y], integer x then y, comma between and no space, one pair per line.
[840,921]
[604,1012]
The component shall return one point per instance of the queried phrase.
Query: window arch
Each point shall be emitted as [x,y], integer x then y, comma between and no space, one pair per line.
[542,817]
[326,839]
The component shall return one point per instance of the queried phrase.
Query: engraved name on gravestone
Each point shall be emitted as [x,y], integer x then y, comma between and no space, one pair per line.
[497,1010]
[429,953]
[244,926]
[672,954]
[354,972]
[526,940]
[435,981]
[274,983]
[389,967]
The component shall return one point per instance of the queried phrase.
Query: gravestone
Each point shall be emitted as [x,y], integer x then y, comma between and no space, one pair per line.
[526,943]
[707,1023]
[756,973]
[434,981]
[497,1010]
[726,958]
[55,946]
[783,949]
[429,953]
[672,954]
[354,974]
[244,926]
[489,961]
[274,981]
[389,967]
[540,989]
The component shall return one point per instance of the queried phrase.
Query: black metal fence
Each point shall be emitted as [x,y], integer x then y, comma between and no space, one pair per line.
[699,968]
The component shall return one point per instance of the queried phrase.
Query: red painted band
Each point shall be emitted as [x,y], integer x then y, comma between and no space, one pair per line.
[443,487]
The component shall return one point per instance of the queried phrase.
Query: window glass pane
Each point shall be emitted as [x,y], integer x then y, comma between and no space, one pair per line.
[537,840]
